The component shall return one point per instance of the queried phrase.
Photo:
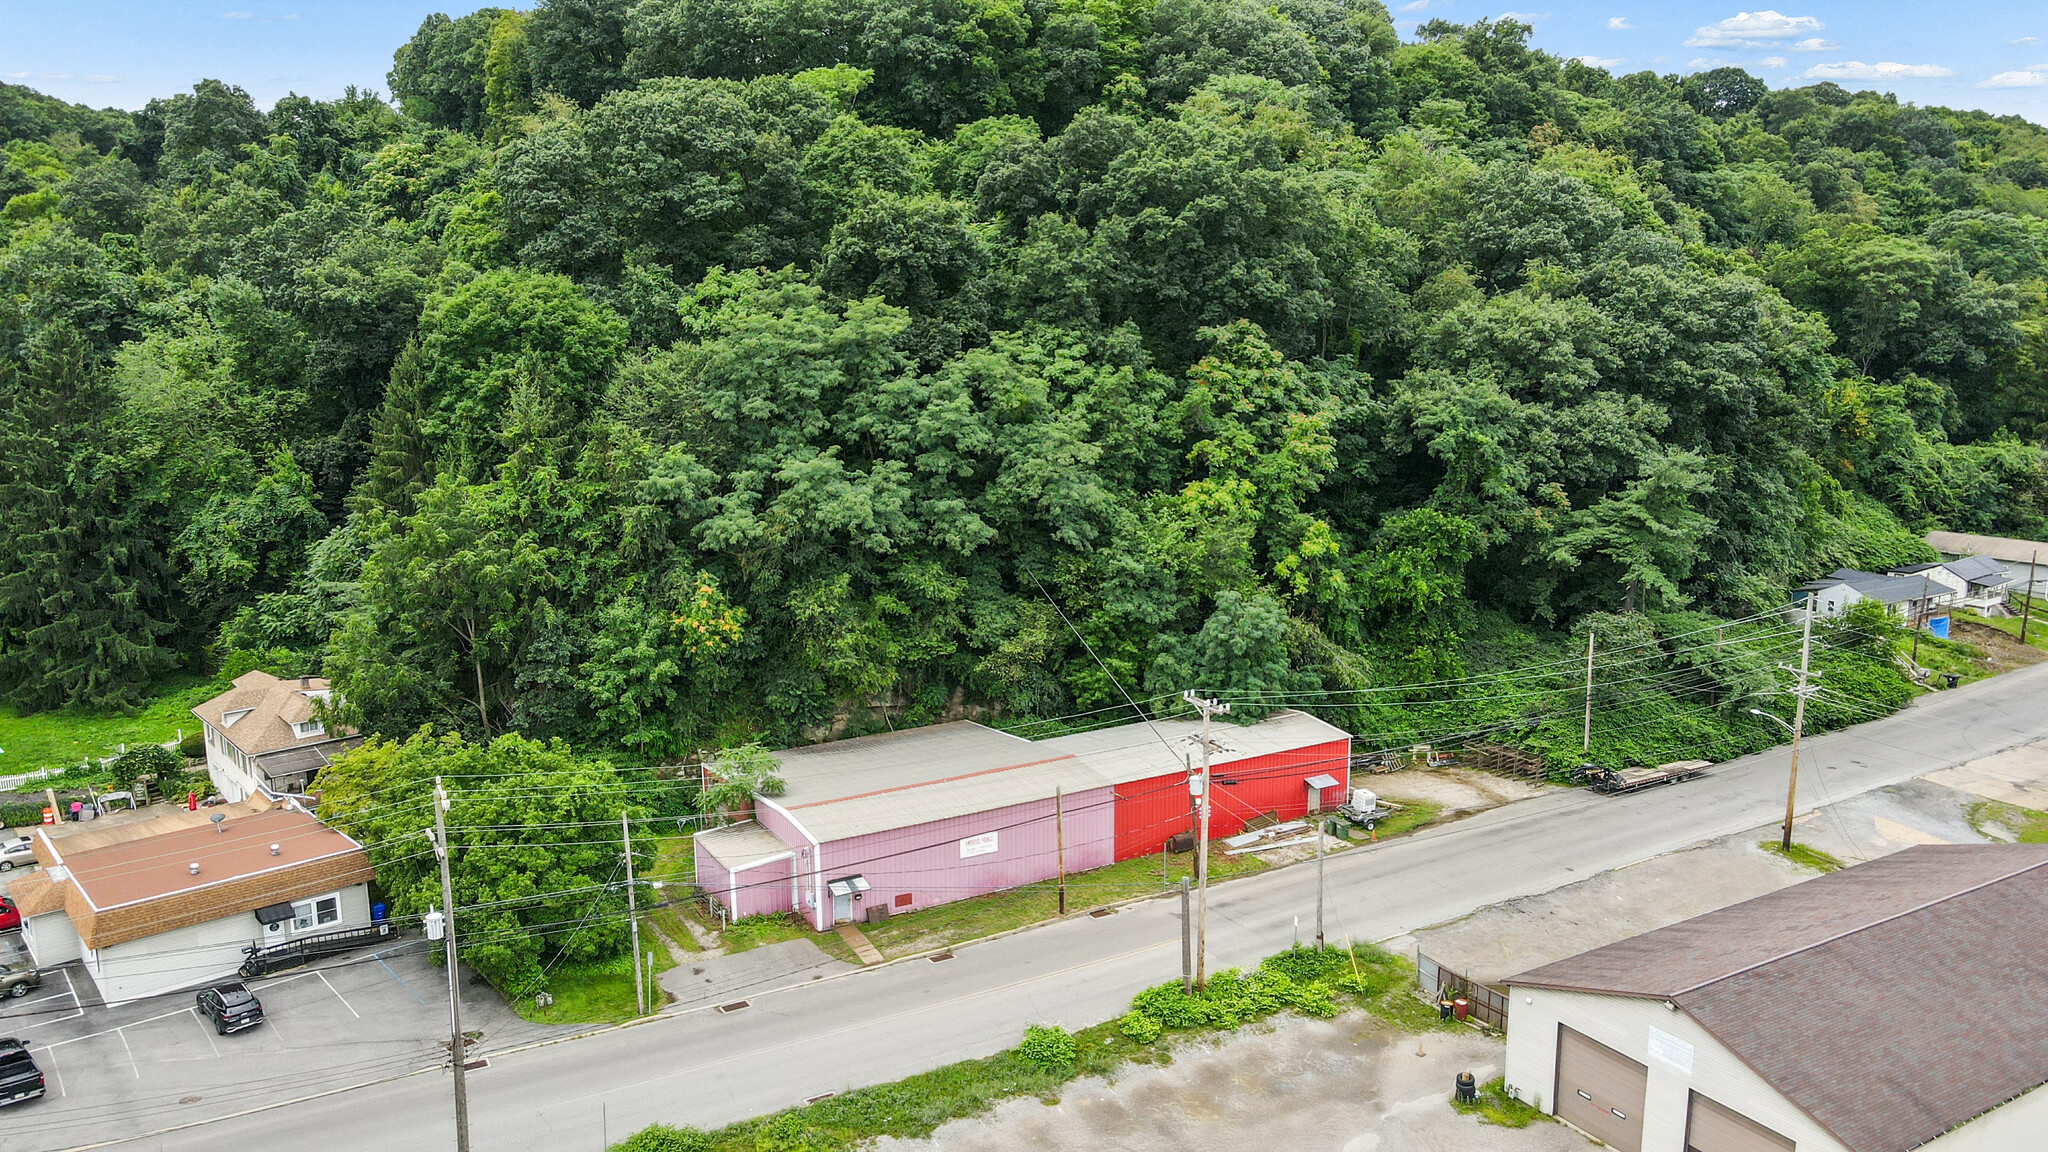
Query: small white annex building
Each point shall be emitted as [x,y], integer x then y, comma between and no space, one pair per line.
[149,910]
[1894,1005]
[267,734]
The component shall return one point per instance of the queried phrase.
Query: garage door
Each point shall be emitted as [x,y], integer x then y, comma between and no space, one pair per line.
[1600,1090]
[1711,1127]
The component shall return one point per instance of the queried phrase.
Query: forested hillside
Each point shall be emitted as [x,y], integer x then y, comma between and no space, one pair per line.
[661,374]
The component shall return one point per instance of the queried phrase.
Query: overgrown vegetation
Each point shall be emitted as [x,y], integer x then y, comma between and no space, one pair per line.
[1495,1106]
[1997,821]
[658,378]
[1303,980]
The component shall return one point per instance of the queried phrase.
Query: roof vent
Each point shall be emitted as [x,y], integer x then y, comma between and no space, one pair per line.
[217,817]
[273,849]
[305,681]
[193,868]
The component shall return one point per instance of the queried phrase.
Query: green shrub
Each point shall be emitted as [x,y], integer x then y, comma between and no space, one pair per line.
[789,1133]
[153,760]
[662,1138]
[1138,1027]
[1048,1047]
[1171,1007]
[193,746]
[21,815]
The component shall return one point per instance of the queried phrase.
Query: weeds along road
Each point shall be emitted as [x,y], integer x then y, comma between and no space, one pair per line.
[884,1023]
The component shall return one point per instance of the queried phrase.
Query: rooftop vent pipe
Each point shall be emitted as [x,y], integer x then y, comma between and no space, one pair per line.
[273,849]
[193,868]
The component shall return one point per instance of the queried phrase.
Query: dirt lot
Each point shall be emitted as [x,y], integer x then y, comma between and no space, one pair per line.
[2001,652]
[1458,791]
[1346,1085]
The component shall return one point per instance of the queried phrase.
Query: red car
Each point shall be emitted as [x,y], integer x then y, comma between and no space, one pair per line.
[10,916]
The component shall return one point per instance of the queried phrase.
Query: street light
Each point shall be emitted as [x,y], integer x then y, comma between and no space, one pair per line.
[1771,716]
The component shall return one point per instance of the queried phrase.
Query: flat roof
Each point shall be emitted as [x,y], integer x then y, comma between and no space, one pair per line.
[1851,993]
[741,846]
[898,779]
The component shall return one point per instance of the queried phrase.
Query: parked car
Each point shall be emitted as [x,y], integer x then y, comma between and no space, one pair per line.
[20,1079]
[10,916]
[19,977]
[231,1007]
[17,854]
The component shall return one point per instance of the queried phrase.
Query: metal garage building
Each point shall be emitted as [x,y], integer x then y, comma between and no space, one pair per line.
[910,819]
[1894,1005]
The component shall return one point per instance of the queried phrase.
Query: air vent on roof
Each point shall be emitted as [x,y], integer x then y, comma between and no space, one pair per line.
[273,849]
[193,868]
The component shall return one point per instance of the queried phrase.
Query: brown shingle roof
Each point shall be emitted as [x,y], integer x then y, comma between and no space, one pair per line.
[269,708]
[130,889]
[1891,1001]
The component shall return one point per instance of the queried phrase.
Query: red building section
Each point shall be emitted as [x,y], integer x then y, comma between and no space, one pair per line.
[1156,807]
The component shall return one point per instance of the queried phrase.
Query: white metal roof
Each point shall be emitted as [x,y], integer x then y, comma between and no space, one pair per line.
[899,779]
[741,846]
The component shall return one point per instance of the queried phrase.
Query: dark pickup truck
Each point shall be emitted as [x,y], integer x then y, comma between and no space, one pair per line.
[20,1079]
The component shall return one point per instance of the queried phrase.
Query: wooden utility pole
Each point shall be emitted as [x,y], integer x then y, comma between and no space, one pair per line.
[2027,605]
[1208,709]
[1187,941]
[1799,694]
[1059,819]
[1586,740]
[633,916]
[1920,625]
[458,1050]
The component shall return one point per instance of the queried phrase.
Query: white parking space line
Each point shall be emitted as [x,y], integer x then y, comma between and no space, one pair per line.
[338,996]
[204,1030]
[77,1009]
[51,1053]
[115,1031]
[137,1068]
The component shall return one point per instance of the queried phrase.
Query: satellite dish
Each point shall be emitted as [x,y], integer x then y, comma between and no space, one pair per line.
[217,817]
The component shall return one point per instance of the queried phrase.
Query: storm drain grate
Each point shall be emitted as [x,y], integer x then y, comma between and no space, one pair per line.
[820,1096]
[1099,913]
[473,1065]
[942,956]
[735,1006]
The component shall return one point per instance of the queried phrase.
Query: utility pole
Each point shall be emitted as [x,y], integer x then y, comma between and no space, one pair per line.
[1799,694]
[633,916]
[1921,624]
[1319,881]
[1208,709]
[1059,819]
[1187,941]
[2027,605]
[1586,741]
[458,1050]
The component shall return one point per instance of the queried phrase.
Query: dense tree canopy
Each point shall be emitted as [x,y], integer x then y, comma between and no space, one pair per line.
[662,375]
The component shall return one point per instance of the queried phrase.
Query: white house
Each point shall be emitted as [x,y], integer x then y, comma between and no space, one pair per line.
[1894,1005]
[2024,561]
[149,909]
[1914,601]
[268,734]
[1978,583]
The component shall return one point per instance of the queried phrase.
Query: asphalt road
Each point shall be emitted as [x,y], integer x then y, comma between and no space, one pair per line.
[880,1024]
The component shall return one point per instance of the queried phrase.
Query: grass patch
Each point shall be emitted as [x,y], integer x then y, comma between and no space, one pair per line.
[1495,1106]
[1407,818]
[2023,825]
[62,737]
[1957,656]
[962,920]
[600,992]
[1303,980]
[1804,855]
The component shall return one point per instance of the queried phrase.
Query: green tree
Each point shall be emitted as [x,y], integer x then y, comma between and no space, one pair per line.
[1645,536]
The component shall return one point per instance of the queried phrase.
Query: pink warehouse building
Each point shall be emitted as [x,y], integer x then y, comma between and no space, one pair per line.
[907,820]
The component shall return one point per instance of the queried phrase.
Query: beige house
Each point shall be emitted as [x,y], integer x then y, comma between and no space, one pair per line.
[1894,1005]
[268,734]
[166,904]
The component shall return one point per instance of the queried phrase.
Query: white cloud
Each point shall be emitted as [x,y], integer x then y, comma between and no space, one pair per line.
[1417,6]
[1524,17]
[1597,62]
[238,15]
[2027,79]
[2025,40]
[1772,62]
[101,79]
[1753,30]
[1888,70]
[1618,23]
[1815,45]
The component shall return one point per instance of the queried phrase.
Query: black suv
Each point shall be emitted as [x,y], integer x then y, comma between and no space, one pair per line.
[20,1079]
[232,1008]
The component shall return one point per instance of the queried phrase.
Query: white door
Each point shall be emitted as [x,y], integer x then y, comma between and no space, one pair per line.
[842,908]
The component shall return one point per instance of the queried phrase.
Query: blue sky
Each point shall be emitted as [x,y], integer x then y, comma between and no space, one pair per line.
[1991,55]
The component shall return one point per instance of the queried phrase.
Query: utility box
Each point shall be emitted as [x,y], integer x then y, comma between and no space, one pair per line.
[877,913]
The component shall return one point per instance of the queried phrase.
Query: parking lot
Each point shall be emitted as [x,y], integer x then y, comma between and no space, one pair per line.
[119,1071]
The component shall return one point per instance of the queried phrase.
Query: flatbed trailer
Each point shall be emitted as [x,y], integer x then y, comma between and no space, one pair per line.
[1614,782]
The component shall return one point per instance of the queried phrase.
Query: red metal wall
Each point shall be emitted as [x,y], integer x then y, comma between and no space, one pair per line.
[1148,811]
